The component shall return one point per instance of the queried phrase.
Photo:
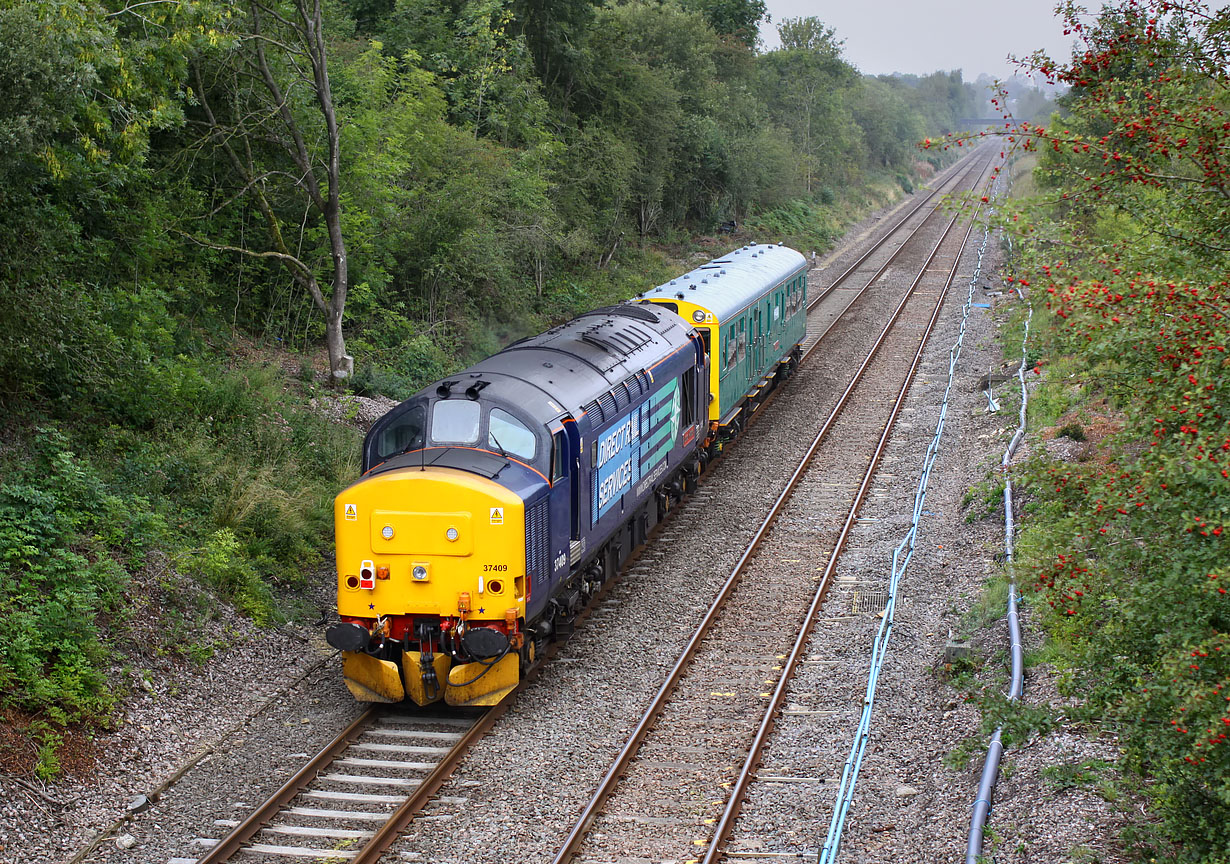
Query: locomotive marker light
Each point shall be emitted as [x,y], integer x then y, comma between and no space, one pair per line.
[387,532]
[451,534]
[698,316]
[367,575]
[419,573]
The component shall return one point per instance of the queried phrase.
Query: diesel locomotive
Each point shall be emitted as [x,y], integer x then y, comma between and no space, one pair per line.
[494,503]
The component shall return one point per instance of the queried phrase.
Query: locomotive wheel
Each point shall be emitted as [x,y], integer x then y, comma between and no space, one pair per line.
[526,655]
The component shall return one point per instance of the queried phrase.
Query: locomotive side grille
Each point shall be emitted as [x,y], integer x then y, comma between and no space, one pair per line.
[594,410]
[537,553]
[607,402]
[633,383]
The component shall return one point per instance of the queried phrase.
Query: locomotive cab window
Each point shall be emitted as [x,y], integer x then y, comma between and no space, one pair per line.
[507,433]
[455,421]
[403,434]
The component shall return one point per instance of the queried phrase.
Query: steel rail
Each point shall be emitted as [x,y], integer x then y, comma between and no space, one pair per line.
[902,557]
[739,790]
[581,827]
[879,272]
[757,410]
[890,233]
[226,848]
[388,833]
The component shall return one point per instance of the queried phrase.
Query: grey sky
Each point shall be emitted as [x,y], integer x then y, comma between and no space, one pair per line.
[921,36]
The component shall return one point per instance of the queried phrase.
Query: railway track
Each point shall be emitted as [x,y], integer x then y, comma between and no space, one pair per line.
[830,303]
[347,798]
[351,801]
[775,589]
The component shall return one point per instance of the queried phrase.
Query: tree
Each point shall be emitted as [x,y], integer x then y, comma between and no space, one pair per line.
[809,34]
[267,109]
[84,84]
[806,79]
[889,127]
[736,19]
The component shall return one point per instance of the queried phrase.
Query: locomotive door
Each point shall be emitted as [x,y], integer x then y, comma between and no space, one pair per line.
[565,493]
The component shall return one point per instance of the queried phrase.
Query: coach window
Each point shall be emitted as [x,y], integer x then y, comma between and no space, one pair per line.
[402,435]
[507,433]
[455,421]
[742,342]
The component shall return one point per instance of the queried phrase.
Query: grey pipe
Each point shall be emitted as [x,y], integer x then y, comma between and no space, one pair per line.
[995,750]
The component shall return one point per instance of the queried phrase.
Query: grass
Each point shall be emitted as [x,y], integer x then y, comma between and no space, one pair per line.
[1021,171]
[1071,430]
[990,606]
[984,498]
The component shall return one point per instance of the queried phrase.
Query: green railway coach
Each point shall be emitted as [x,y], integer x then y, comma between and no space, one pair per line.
[750,307]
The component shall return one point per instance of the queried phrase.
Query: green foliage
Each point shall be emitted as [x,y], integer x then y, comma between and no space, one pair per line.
[1071,430]
[801,224]
[245,479]
[1127,551]
[221,564]
[984,497]
[737,19]
[57,580]
[991,605]
[959,757]
[1069,775]
[47,766]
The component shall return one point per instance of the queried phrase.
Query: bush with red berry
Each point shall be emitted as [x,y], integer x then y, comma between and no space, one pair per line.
[1127,256]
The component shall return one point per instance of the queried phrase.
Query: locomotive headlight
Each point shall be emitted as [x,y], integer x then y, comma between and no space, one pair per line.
[387,532]
[698,316]
[419,572]
[451,534]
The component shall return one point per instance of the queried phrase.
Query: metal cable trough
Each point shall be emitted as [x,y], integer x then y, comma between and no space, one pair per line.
[901,559]
[995,750]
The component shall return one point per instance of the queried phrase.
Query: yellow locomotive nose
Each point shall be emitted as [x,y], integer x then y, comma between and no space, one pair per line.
[420,543]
